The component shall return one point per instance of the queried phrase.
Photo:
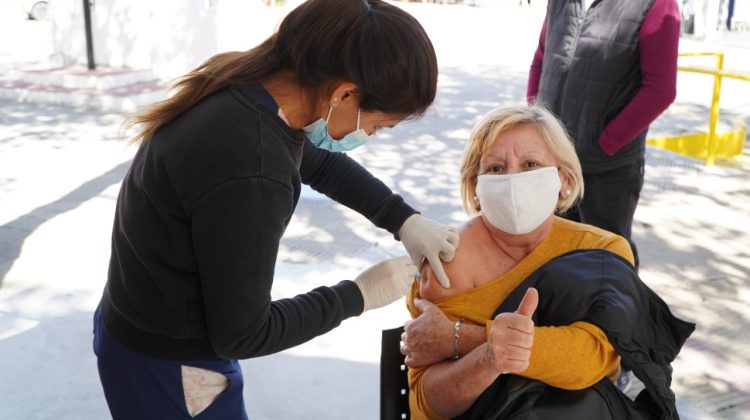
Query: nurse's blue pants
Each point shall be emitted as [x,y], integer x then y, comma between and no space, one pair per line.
[140,387]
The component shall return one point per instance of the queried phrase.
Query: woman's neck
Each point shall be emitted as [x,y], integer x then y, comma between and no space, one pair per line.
[517,247]
[291,99]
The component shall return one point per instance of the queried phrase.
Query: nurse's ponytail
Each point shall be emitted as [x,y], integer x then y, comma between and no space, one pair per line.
[219,71]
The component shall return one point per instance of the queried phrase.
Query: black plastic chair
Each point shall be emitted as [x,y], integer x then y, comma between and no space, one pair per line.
[394,386]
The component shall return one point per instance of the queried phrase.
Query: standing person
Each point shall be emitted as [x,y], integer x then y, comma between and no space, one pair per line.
[214,184]
[607,68]
[730,14]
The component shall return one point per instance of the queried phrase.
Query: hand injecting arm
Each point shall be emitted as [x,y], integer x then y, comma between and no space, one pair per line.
[424,238]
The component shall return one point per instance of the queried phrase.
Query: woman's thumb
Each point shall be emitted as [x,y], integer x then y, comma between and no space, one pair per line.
[529,302]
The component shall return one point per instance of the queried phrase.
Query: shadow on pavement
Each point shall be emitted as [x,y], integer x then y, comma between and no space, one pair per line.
[16,231]
[53,371]
[287,386]
[32,122]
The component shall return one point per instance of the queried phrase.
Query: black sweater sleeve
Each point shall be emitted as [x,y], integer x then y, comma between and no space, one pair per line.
[236,229]
[347,182]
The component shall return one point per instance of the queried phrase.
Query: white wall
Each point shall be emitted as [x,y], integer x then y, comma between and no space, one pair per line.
[169,37]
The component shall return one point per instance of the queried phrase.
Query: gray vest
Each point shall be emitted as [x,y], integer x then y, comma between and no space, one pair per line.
[591,70]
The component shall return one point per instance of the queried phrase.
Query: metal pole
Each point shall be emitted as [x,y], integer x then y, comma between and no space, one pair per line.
[714,118]
[89,38]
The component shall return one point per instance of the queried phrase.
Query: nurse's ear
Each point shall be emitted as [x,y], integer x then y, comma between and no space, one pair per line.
[344,93]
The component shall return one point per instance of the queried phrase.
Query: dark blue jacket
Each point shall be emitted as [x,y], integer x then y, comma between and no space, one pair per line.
[601,288]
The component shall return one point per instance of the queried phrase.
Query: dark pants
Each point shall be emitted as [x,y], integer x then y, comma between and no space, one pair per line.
[610,199]
[146,388]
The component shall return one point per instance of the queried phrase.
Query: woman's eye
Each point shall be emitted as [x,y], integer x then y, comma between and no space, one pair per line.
[495,168]
[532,164]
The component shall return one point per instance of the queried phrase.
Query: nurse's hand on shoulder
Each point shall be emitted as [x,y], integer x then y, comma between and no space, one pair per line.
[386,282]
[424,238]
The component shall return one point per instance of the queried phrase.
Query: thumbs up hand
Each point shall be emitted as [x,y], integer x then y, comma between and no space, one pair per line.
[512,335]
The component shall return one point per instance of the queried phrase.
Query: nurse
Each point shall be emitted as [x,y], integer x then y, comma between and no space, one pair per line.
[214,183]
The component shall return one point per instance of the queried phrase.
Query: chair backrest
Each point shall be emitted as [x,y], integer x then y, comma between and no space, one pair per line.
[394,386]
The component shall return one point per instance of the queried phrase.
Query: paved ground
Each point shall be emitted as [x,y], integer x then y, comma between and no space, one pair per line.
[60,171]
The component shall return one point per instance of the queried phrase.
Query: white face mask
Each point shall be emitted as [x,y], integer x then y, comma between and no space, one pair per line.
[519,203]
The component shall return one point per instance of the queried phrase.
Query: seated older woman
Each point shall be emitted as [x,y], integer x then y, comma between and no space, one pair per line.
[519,168]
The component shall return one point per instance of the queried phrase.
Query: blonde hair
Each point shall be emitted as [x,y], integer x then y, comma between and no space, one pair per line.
[500,120]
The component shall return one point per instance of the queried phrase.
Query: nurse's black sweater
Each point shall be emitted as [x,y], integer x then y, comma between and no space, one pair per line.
[198,223]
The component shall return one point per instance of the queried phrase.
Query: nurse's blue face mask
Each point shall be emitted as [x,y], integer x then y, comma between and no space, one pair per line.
[317,132]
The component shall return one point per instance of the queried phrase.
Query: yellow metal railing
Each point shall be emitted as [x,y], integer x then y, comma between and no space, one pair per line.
[713,144]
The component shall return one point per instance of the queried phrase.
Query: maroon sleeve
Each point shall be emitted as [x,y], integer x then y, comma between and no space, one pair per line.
[535,73]
[658,42]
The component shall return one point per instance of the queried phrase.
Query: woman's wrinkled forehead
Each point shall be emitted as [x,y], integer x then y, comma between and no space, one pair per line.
[523,139]
[496,131]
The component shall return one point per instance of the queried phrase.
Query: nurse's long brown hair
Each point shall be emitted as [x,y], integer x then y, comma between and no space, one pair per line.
[376,45]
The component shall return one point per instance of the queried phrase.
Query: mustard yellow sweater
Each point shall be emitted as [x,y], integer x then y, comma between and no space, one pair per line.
[569,357]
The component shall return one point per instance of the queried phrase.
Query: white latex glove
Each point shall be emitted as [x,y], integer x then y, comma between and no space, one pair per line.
[424,238]
[386,282]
